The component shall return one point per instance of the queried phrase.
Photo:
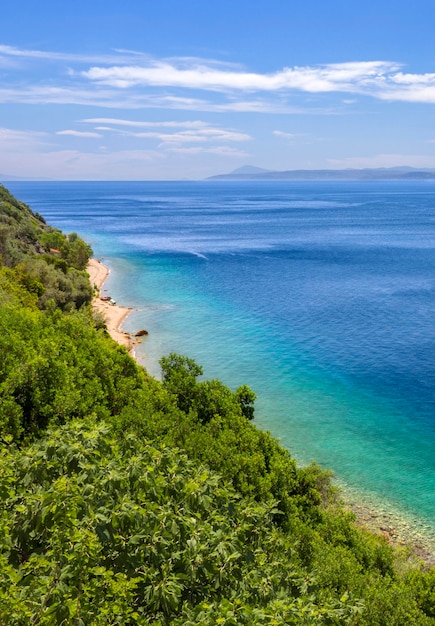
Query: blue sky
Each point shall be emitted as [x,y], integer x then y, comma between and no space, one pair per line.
[187,89]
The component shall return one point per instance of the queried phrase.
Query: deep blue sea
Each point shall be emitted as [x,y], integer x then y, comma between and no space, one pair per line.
[319,295]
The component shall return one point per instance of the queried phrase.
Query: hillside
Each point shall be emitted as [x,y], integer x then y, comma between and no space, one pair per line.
[126,500]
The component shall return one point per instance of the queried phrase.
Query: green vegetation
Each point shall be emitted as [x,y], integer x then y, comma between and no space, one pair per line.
[46,262]
[126,500]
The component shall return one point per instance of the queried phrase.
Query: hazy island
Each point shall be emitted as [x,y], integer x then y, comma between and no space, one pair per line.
[126,500]
[249,172]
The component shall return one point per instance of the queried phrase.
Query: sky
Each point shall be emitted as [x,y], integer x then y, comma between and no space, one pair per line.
[169,90]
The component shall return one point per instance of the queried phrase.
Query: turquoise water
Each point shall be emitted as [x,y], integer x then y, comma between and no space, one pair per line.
[320,296]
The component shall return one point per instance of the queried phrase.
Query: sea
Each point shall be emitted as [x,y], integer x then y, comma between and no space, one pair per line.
[318,295]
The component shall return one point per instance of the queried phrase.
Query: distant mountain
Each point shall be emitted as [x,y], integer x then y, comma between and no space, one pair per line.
[249,169]
[249,172]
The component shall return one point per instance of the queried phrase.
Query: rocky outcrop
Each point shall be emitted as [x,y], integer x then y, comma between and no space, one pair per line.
[141,333]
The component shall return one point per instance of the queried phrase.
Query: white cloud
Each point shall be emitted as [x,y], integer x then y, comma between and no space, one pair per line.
[280,133]
[423,95]
[137,124]
[122,56]
[31,154]
[378,79]
[114,99]
[40,94]
[206,134]
[78,133]
[197,131]
[226,151]
[335,77]
[232,106]
[413,79]
[138,77]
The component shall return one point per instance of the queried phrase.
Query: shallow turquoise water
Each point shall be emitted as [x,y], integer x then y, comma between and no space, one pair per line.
[320,296]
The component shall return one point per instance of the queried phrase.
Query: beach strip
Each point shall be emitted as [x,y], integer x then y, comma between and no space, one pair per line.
[113,314]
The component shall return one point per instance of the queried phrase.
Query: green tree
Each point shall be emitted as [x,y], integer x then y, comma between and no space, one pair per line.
[246,398]
[179,375]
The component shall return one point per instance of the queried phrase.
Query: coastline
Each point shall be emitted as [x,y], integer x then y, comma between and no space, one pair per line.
[369,516]
[114,314]
[407,534]
[379,520]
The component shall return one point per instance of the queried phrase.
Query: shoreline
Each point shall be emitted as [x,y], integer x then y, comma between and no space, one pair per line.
[405,533]
[377,519]
[114,314]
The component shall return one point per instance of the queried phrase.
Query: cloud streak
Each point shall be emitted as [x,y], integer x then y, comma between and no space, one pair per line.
[224,151]
[141,79]
[114,99]
[377,79]
[121,56]
[336,77]
[141,124]
[198,136]
[185,132]
[78,133]
[284,135]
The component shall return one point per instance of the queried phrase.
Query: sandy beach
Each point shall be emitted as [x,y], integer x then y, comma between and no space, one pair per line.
[113,313]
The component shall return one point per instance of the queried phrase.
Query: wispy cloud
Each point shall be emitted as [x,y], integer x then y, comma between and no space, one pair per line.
[11,139]
[196,131]
[115,99]
[78,133]
[284,135]
[218,150]
[378,79]
[41,94]
[120,56]
[129,79]
[300,138]
[198,136]
[250,105]
[71,84]
[141,124]
[207,134]
[336,77]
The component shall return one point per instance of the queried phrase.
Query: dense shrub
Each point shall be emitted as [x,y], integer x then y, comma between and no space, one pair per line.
[99,530]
